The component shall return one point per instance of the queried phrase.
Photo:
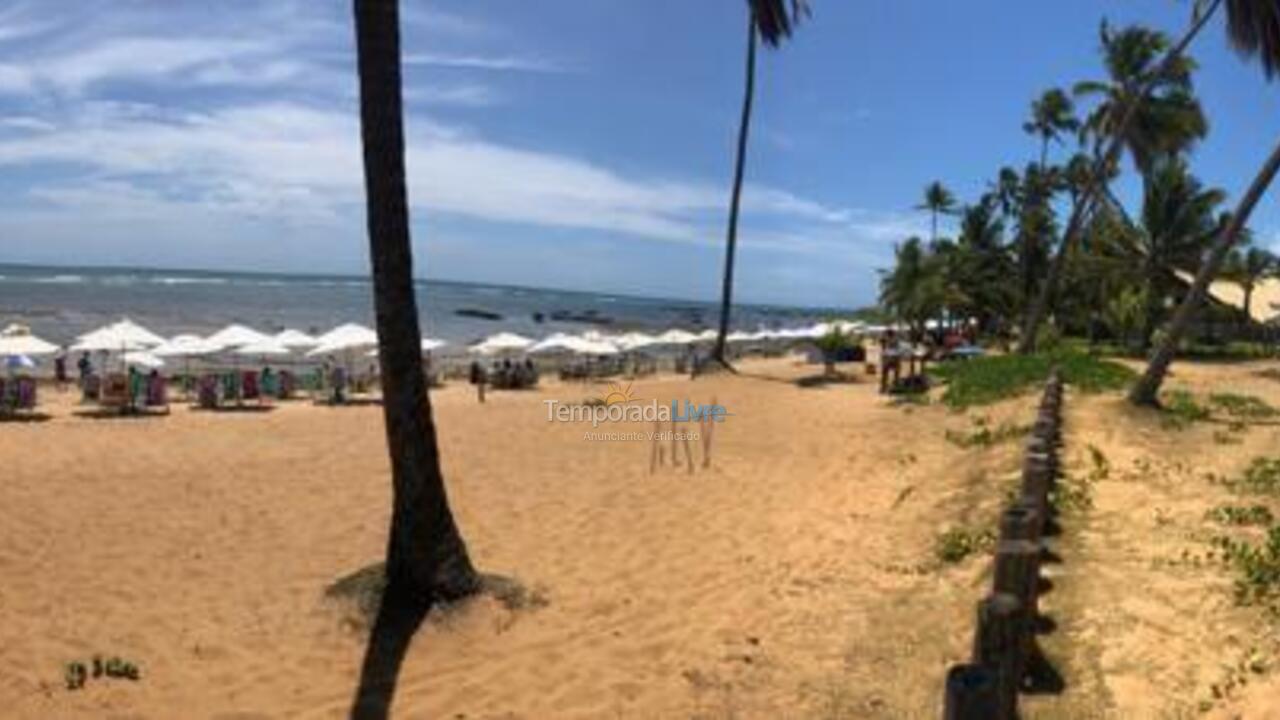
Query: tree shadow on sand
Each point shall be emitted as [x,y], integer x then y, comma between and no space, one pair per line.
[396,617]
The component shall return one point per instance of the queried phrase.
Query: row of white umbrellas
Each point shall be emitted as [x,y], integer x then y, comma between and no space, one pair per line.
[139,346]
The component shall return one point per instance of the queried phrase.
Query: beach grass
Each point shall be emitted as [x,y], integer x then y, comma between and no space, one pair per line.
[982,381]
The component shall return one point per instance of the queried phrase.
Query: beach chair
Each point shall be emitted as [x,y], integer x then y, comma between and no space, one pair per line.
[207,392]
[25,397]
[231,387]
[157,393]
[114,392]
[91,387]
[249,386]
[288,385]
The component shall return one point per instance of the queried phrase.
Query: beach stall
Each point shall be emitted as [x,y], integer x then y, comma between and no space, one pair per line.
[17,347]
[111,389]
[507,374]
[186,348]
[346,341]
[267,383]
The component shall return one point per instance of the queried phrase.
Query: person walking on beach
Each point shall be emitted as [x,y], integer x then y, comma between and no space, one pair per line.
[890,361]
[60,369]
[478,378]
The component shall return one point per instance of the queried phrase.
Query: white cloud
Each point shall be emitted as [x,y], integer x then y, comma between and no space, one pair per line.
[478,62]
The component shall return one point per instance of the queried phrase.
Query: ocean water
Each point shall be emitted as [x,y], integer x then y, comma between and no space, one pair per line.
[60,303]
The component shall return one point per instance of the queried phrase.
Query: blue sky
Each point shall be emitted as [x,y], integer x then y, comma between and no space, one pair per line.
[565,143]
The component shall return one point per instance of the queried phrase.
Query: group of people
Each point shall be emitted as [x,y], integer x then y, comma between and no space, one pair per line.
[504,375]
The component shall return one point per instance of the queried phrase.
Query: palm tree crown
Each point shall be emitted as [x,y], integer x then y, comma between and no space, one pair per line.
[1253,27]
[937,200]
[773,19]
[1167,118]
[1052,114]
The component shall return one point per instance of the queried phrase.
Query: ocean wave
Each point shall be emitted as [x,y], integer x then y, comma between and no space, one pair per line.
[189,281]
[59,279]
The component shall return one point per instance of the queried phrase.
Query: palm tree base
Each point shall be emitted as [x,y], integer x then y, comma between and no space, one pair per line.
[714,365]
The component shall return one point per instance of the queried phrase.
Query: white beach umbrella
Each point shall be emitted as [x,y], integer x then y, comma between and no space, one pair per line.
[122,336]
[267,347]
[634,340]
[553,343]
[586,346]
[502,342]
[344,339]
[349,334]
[186,346]
[291,338]
[25,344]
[235,335]
[428,344]
[143,358]
[676,336]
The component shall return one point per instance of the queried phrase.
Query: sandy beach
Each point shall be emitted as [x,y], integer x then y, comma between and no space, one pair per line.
[795,577]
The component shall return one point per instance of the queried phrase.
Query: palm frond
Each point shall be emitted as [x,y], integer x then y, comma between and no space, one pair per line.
[775,19]
[1253,27]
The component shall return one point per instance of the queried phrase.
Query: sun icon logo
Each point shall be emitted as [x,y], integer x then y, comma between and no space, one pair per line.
[618,394]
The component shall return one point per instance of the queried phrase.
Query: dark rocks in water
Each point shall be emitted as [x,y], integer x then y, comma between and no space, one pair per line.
[477,313]
[539,318]
[592,317]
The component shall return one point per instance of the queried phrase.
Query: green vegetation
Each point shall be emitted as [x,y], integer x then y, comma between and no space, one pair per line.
[1241,515]
[1258,566]
[956,544]
[1181,410]
[1262,477]
[1248,407]
[984,436]
[1053,240]
[985,380]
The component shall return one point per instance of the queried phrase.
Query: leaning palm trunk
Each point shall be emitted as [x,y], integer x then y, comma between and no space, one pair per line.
[426,557]
[1102,163]
[731,240]
[1147,389]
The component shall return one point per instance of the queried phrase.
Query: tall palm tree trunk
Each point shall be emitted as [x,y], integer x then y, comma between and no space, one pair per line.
[426,557]
[1147,389]
[731,239]
[1105,161]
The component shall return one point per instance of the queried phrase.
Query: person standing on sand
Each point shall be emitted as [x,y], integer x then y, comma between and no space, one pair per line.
[60,369]
[478,378]
[890,360]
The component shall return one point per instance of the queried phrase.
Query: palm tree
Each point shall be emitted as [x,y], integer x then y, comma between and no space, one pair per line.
[1253,27]
[937,200]
[1248,267]
[1006,192]
[914,290]
[1052,114]
[980,265]
[426,557]
[1167,118]
[1106,154]
[1179,217]
[773,22]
